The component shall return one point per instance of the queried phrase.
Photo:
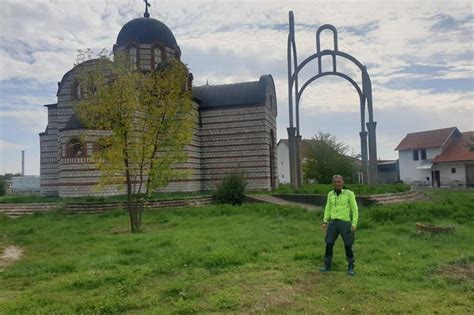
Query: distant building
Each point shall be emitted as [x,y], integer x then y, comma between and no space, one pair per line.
[438,158]
[8,186]
[387,171]
[283,158]
[25,184]
[235,126]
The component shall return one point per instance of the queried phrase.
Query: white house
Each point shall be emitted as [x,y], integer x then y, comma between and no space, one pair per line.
[25,184]
[283,158]
[438,158]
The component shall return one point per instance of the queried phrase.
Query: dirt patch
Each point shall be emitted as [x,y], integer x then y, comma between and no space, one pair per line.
[9,255]
[459,272]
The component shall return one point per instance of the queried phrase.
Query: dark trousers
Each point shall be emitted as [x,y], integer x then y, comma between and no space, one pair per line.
[344,228]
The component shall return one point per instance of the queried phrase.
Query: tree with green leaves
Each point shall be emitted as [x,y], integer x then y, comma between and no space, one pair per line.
[146,119]
[3,187]
[325,157]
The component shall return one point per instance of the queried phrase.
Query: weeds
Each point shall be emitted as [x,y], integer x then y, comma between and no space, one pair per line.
[250,258]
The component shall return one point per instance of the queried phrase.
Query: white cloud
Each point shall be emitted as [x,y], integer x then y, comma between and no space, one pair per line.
[235,41]
[33,120]
[8,146]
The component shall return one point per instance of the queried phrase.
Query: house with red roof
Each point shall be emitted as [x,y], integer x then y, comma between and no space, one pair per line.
[438,158]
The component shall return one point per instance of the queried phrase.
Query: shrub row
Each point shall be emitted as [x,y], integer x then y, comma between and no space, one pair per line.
[358,189]
[451,205]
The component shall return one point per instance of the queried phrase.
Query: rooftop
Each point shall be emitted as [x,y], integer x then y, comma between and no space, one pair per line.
[427,139]
[457,149]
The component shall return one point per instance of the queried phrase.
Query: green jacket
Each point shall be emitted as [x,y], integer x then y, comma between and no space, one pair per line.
[340,207]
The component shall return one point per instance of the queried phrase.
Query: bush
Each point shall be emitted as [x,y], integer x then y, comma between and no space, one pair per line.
[232,189]
[2,187]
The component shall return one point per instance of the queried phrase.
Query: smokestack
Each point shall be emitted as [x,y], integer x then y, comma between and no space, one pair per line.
[22,162]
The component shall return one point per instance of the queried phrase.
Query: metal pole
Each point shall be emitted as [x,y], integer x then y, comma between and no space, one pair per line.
[23,163]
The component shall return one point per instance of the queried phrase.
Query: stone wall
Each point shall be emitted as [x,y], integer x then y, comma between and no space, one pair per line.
[237,138]
[49,155]
[192,182]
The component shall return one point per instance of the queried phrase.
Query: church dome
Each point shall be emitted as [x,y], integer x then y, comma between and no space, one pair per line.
[146,30]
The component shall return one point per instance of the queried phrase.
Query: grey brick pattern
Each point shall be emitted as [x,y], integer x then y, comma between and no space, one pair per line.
[228,136]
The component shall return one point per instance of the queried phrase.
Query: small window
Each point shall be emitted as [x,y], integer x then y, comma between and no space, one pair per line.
[156,57]
[453,170]
[75,148]
[427,179]
[132,57]
[77,92]
[415,155]
[423,154]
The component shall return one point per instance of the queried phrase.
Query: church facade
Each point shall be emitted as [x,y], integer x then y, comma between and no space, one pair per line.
[235,125]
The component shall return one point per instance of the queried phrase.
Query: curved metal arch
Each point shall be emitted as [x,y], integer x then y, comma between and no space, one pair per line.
[325,53]
[339,74]
[365,95]
[344,76]
[366,83]
[318,35]
[318,44]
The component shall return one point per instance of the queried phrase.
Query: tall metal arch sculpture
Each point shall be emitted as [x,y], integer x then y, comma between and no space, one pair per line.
[369,162]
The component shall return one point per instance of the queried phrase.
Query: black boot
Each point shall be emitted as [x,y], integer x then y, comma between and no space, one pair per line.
[350,268]
[327,264]
[350,260]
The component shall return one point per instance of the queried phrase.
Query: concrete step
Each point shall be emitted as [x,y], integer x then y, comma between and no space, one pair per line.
[398,197]
[279,201]
[19,209]
[40,206]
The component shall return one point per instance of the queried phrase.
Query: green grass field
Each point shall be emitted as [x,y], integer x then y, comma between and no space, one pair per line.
[240,259]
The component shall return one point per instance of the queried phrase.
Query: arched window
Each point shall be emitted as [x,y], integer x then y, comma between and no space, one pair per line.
[75,148]
[156,57]
[132,57]
[77,92]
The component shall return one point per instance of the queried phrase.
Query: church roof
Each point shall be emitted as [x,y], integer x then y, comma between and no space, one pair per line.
[74,123]
[245,93]
[146,31]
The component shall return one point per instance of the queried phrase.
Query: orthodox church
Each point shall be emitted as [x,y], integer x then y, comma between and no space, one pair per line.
[235,125]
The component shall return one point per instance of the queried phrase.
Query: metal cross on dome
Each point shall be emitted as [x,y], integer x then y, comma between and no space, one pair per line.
[146,8]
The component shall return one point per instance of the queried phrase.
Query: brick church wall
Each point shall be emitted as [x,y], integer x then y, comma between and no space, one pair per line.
[49,155]
[237,138]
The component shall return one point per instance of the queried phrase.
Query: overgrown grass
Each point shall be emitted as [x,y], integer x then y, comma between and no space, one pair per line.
[358,189]
[238,259]
[283,188]
[44,199]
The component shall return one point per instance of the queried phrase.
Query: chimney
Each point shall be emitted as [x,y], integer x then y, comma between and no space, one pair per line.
[22,162]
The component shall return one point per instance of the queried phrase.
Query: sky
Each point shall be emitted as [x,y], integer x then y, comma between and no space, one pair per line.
[419,56]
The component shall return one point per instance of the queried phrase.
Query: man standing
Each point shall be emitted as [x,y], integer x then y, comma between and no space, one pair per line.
[340,217]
